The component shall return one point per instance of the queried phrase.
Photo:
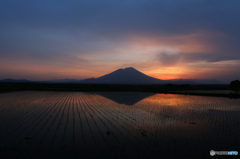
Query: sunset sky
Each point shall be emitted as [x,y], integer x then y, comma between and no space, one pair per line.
[77,39]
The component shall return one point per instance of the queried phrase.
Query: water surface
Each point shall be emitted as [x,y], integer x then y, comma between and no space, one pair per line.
[116,125]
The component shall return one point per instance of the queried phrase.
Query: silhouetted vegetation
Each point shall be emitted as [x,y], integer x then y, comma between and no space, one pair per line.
[235,84]
[169,85]
[155,88]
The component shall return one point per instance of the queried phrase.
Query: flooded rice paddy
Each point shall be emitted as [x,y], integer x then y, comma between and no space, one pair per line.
[116,125]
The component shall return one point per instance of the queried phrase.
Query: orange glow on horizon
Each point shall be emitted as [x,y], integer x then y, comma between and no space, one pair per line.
[140,52]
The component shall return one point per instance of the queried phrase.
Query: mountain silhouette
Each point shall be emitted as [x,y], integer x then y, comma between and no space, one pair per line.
[127,98]
[128,75]
[66,80]
[125,76]
[14,80]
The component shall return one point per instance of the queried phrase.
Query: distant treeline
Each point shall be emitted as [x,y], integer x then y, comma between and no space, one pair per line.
[235,84]
[155,88]
[167,88]
[104,87]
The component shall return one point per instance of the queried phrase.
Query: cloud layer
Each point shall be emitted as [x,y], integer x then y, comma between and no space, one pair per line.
[146,34]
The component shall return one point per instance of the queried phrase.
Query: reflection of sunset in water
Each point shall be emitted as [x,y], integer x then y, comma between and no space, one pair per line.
[167,100]
[191,102]
[126,124]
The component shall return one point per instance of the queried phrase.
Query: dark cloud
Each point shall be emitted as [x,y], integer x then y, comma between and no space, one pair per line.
[58,28]
[167,59]
[117,17]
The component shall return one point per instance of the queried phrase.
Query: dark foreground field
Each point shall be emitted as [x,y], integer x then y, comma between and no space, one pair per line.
[47,124]
[202,90]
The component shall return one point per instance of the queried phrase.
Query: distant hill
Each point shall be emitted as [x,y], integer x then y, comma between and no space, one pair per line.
[14,80]
[66,80]
[195,81]
[124,76]
[208,81]
[132,76]
[88,81]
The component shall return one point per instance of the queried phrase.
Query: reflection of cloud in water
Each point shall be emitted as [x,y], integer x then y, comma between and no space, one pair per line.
[187,115]
[154,125]
[127,98]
